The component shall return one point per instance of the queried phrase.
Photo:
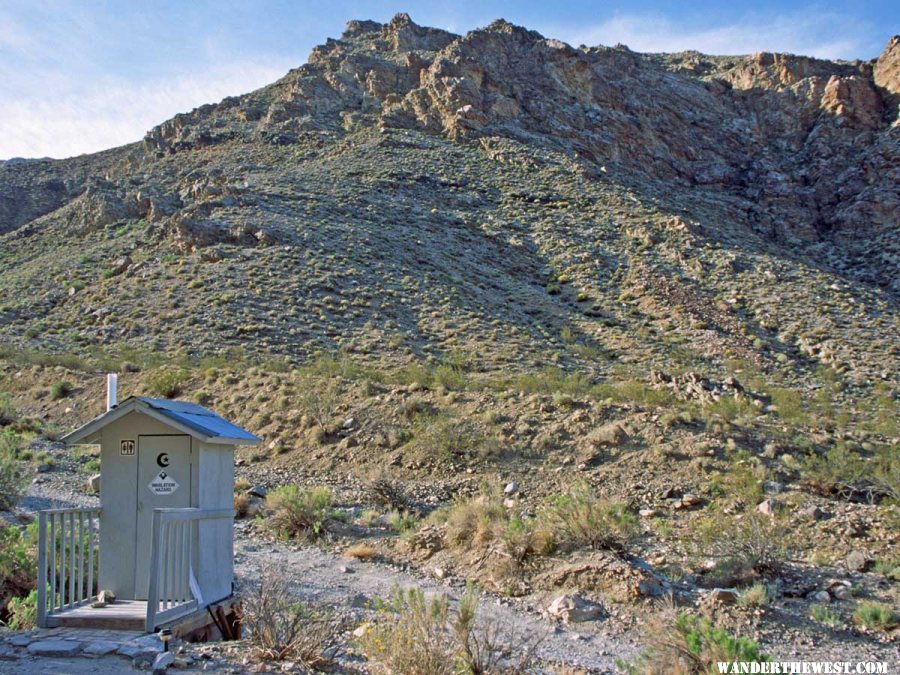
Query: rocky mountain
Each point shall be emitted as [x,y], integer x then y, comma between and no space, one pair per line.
[587,327]
[412,187]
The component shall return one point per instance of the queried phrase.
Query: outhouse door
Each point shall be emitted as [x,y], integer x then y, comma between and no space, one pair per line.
[164,481]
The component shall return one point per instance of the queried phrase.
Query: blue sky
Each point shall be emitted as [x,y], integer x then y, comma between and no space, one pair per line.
[82,76]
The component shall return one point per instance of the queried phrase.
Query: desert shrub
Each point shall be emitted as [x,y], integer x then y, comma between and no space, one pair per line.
[581,519]
[18,565]
[756,595]
[401,521]
[415,635]
[318,399]
[60,390]
[22,612]
[790,406]
[742,547]
[14,472]
[633,391]
[384,490]
[300,514]
[450,377]
[167,383]
[693,646]
[741,485]
[447,438]
[875,615]
[483,522]
[280,628]
[889,567]
[844,473]
[553,380]
[8,413]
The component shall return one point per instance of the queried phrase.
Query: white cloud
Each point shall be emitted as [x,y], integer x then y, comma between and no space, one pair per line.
[62,118]
[823,35]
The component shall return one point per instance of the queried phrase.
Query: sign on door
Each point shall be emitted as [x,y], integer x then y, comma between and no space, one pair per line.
[163,484]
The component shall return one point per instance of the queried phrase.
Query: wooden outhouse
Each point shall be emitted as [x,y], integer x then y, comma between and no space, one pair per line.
[162,539]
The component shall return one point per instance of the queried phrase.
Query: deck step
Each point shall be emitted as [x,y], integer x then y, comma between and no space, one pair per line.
[121,615]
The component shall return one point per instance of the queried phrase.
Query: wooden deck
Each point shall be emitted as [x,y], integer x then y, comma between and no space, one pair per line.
[131,615]
[121,615]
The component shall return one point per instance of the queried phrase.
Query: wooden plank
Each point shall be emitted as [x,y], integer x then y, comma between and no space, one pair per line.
[42,571]
[153,595]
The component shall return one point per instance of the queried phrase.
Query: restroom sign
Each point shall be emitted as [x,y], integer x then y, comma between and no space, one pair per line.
[126,448]
[163,484]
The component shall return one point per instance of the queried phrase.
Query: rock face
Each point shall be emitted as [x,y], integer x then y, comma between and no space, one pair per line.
[498,152]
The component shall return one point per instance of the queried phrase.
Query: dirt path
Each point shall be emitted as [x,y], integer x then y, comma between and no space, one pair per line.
[323,578]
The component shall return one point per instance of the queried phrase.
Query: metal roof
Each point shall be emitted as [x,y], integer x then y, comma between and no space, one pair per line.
[197,417]
[188,417]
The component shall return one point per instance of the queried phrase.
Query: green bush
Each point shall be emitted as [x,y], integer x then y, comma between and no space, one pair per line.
[299,514]
[693,645]
[168,383]
[14,473]
[18,565]
[60,390]
[844,473]
[23,612]
[581,519]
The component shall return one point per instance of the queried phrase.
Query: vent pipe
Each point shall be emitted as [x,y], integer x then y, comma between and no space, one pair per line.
[112,391]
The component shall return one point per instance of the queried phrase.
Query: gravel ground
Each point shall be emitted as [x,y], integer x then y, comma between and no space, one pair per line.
[326,579]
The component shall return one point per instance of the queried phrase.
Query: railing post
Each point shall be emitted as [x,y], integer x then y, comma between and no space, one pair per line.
[152,599]
[42,571]
[52,545]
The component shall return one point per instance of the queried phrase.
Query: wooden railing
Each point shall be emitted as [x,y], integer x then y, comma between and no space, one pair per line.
[68,553]
[174,591]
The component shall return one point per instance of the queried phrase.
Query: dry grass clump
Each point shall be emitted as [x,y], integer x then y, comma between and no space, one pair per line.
[485,524]
[299,514]
[361,551]
[581,519]
[280,628]
[415,635]
[241,505]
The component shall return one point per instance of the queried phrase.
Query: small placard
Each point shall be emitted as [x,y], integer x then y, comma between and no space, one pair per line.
[163,484]
[126,448]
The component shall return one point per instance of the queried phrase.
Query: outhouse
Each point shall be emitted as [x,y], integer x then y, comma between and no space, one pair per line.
[162,538]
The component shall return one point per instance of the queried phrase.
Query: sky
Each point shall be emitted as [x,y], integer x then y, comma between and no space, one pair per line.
[82,76]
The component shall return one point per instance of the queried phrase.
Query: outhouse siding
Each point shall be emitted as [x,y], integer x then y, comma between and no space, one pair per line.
[215,490]
[118,496]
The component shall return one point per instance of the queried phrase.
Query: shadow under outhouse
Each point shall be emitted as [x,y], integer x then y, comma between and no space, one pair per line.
[162,539]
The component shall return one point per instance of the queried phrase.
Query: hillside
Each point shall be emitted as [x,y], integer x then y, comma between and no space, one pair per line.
[672,278]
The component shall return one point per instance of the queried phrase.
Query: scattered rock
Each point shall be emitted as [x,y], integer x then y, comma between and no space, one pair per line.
[819,596]
[106,596]
[572,608]
[511,488]
[857,561]
[54,648]
[162,662]
[93,483]
[769,507]
[723,596]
